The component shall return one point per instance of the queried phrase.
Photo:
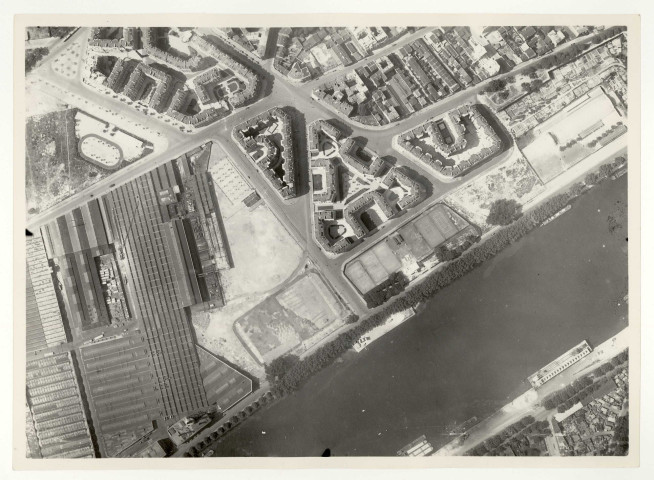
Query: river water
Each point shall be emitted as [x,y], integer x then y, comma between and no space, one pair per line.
[468,352]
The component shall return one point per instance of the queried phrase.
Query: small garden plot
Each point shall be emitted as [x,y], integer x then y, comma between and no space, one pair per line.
[512,180]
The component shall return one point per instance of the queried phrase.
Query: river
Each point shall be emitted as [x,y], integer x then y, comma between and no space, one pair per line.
[468,351]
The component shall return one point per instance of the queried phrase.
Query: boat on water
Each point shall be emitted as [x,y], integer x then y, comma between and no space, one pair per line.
[557,214]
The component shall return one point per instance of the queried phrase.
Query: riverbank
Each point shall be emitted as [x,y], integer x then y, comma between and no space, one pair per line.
[395,320]
[467,352]
[529,402]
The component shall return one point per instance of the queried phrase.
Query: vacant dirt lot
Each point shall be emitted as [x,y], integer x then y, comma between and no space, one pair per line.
[514,179]
[286,320]
[264,253]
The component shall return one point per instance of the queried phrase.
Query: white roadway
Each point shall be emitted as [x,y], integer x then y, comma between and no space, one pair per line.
[295,214]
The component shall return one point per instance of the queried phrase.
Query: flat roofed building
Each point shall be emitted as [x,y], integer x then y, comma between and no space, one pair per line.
[121,385]
[53,395]
[563,362]
[45,328]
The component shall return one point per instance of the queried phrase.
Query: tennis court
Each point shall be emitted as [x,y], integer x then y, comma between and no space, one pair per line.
[415,241]
[373,266]
[443,223]
[429,231]
[386,257]
[358,275]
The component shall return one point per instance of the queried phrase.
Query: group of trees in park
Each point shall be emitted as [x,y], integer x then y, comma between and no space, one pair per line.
[495,85]
[504,212]
[518,436]
[199,446]
[299,371]
[532,86]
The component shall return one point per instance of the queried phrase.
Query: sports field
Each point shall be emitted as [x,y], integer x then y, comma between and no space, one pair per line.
[411,244]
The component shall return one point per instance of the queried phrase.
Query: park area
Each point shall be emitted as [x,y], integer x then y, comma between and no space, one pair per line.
[287,320]
[514,179]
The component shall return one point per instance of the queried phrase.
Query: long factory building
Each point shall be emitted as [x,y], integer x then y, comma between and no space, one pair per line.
[161,227]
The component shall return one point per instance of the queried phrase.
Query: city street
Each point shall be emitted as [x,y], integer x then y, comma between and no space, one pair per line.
[295,214]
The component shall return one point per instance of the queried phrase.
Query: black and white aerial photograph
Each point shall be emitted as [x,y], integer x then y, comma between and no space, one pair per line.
[327,241]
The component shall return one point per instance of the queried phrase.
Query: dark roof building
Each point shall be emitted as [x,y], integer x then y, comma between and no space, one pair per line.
[361,159]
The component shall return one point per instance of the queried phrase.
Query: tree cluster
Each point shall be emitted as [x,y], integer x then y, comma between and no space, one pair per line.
[516,436]
[533,85]
[606,133]
[33,56]
[445,254]
[392,286]
[621,436]
[503,212]
[495,85]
